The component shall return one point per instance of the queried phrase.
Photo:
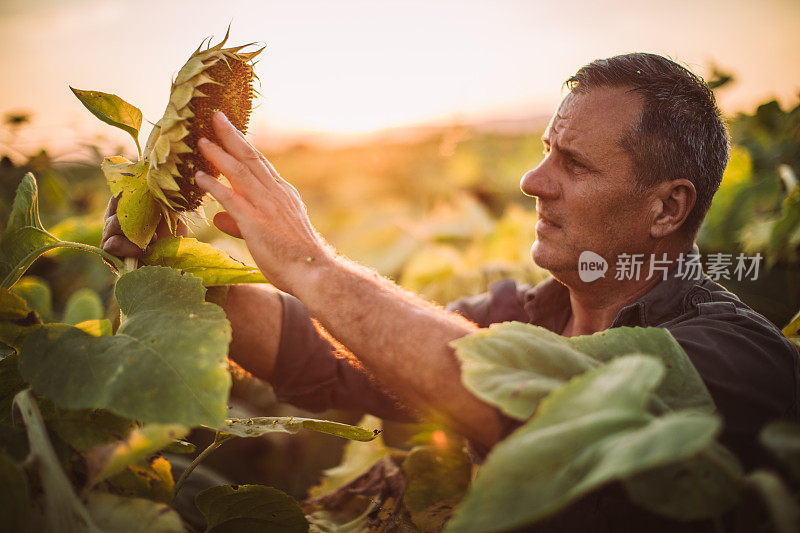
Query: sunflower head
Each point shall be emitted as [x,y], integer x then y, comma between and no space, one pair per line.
[214,79]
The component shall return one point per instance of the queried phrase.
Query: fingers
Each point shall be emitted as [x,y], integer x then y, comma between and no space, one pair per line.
[234,203]
[112,205]
[120,246]
[237,171]
[225,222]
[235,144]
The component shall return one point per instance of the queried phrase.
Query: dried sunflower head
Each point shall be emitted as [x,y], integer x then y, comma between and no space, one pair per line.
[214,79]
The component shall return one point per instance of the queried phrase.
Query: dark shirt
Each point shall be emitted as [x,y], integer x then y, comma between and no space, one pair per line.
[749,367]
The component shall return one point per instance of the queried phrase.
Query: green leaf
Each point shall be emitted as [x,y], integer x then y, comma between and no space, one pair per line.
[85,429]
[593,430]
[37,294]
[247,508]
[25,239]
[165,365]
[210,264]
[782,506]
[106,460]
[12,306]
[514,365]
[132,515]
[257,426]
[14,497]
[356,459]
[147,479]
[782,438]
[113,110]
[138,210]
[702,487]
[63,510]
[82,305]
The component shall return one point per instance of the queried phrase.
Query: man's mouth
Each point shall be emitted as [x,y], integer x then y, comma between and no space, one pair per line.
[546,224]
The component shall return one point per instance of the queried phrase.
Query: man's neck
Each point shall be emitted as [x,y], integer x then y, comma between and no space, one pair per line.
[594,306]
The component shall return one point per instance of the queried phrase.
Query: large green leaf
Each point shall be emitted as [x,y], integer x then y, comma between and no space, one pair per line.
[112,110]
[593,430]
[210,264]
[138,210]
[702,487]
[514,365]
[165,365]
[25,239]
[250,508]
[257,426]
[132,515]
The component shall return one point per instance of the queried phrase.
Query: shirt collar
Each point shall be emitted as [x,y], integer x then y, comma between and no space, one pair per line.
[548,304]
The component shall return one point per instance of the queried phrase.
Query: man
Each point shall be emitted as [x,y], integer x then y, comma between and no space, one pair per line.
[634,155]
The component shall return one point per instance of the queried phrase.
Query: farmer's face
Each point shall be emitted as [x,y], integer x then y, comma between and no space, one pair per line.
[584,187]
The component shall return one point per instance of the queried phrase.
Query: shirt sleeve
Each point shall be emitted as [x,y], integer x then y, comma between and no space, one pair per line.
[312,373]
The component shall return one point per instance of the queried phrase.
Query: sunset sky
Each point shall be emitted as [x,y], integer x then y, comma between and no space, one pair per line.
[353,67]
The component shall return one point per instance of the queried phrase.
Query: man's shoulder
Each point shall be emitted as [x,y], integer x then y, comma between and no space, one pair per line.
[503,302]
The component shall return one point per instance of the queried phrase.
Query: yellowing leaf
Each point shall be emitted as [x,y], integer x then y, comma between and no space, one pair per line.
[112,110]
[138,210]
[210,264]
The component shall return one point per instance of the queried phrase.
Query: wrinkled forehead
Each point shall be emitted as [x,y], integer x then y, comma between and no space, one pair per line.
[598,116]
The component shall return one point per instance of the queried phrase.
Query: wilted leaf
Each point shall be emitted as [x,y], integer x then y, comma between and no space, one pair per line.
[165,365]
[356,459]
[245,508]
[147,479]
[210,264]
[14,498]
[109,459]
[132,515]
[514,365]
[257,426]
[83,305]
[62,509]
[782,438]
[138,210]
[593,430]
[112,110]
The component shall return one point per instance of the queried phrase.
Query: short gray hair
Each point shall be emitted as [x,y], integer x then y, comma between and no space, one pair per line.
[680,134]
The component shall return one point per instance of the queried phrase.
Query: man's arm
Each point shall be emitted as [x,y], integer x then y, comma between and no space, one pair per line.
[399,337]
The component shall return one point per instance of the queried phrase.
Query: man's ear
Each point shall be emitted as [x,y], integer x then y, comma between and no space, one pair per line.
[673,201]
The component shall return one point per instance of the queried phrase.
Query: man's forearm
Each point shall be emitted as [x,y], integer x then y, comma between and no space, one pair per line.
[402,339]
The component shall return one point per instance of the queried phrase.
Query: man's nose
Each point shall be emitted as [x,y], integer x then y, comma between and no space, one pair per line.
[538,182]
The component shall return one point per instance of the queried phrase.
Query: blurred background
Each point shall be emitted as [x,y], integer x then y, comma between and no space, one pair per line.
[406,126]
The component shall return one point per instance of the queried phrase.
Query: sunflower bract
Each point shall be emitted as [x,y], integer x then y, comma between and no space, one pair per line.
[215,79]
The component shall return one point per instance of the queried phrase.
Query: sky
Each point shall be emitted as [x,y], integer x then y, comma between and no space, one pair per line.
[349,67]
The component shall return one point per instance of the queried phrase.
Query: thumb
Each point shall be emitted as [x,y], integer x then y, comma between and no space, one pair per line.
[225,223]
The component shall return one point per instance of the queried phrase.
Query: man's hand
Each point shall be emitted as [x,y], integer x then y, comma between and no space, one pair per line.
[402,339]
[116,243]
[262,208]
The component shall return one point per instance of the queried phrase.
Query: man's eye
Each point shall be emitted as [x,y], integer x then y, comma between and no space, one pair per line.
[577,166]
